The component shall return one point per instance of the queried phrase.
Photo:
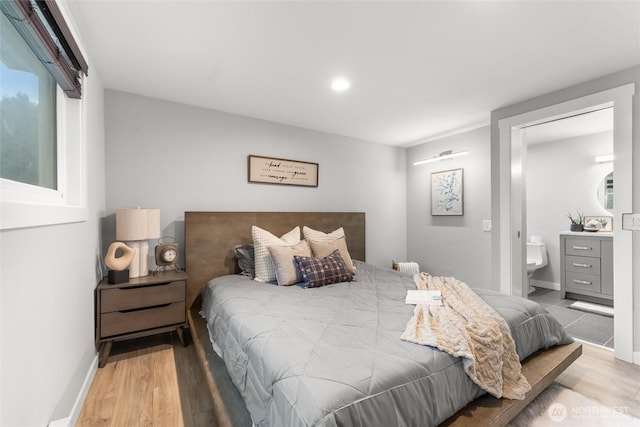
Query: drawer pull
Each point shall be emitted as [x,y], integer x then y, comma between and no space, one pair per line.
[155,285]
[581,282]
[144,308]
[576,264]
[582,248]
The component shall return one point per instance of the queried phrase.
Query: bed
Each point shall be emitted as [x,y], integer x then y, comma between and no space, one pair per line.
[332,355]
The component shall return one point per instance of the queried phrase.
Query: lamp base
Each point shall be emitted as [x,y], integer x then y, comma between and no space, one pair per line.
[115,276]
[139,265]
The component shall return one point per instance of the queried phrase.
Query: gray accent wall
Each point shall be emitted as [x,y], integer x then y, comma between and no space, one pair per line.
[452,245]
[179,158]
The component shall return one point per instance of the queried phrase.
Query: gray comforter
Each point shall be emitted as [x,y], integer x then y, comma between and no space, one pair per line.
[332,356]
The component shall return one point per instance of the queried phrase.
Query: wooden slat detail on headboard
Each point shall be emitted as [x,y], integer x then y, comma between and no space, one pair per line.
[210,237]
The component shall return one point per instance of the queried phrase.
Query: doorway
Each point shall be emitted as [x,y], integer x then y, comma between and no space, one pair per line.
[512,227]
[567,162]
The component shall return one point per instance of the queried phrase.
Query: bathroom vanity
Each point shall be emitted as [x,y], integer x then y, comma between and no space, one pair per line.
[586,262]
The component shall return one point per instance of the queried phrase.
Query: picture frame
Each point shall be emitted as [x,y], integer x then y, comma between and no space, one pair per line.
[273,170]
[447,193]
[605,223]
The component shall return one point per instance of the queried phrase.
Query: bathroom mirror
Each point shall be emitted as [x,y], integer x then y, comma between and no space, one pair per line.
[605,192]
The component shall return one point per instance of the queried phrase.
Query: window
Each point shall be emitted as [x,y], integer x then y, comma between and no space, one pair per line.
[28,114]
[42,134]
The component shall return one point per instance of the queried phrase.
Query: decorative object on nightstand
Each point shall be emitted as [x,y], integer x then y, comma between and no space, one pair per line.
[139,307]
[167,255]
[136,226]
[118,272]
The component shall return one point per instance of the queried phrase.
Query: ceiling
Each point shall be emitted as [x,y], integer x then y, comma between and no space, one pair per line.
[418,70]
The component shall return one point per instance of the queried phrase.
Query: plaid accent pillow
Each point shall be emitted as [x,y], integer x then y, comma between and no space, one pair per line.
[318,272]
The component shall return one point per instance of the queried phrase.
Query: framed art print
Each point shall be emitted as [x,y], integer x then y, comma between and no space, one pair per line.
[447,193]
[271,170]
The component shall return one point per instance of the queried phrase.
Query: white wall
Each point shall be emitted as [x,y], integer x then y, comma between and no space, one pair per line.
[48,276]
[178,158]
[607,82]
[563,177]
[452,245]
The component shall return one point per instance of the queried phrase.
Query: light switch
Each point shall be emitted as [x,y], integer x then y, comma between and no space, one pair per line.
[631,222]
[486,225]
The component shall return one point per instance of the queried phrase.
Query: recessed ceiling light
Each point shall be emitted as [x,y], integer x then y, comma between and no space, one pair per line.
[340,84]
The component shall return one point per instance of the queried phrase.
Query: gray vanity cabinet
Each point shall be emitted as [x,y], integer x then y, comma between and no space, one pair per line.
[586,261]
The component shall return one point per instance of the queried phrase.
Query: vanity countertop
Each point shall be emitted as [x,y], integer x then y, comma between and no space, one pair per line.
[587,233]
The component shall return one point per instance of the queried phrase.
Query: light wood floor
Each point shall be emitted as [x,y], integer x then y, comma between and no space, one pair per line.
[152,383]
[597,374]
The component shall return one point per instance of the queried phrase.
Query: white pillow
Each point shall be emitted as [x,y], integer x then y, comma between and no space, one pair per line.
[318,236]
[265,270]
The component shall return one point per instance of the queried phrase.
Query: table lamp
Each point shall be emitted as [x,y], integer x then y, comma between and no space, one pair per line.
[136,226]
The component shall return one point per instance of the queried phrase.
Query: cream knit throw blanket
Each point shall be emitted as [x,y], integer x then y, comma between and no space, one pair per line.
[466,326]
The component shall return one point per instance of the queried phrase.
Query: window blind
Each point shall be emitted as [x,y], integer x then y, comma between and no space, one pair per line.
[42,26]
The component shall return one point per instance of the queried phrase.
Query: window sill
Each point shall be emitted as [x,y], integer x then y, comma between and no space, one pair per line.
[22,215]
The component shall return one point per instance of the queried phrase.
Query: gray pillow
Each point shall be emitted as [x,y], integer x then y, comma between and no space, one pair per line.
[246,260]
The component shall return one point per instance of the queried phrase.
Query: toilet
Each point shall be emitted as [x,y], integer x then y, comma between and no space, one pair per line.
[536,259]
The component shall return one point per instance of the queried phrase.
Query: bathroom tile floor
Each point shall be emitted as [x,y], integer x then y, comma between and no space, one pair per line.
[590,327]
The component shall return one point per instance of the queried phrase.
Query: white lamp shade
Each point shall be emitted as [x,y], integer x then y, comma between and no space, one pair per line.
[137,224]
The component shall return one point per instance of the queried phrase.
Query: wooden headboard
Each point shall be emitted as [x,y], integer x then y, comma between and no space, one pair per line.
[211,236]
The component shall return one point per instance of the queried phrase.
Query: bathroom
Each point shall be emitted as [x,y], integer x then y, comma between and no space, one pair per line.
[564,178]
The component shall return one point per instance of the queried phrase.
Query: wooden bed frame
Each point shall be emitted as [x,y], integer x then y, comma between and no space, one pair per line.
[209,240]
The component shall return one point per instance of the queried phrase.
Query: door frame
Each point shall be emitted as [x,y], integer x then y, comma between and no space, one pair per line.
[512,227]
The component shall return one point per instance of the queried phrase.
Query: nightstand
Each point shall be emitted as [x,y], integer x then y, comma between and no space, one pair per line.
[142,306]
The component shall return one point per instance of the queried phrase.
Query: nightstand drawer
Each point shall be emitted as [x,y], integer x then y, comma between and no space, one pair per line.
[583,282]
[122,322]
[144,296]
[582,264]
[583,247]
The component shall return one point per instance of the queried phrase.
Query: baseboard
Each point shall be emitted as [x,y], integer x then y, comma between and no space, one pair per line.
[594,344]
[62,422]
[636,357]
[72,419]
[545,285]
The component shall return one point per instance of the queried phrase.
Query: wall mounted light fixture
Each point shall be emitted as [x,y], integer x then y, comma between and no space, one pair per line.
[442,156]
[604,159]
